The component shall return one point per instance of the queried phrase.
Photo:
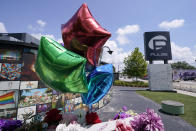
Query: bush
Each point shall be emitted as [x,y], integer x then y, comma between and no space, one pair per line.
[131,84]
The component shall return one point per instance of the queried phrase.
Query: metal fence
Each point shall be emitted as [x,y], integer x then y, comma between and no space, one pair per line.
[186,86]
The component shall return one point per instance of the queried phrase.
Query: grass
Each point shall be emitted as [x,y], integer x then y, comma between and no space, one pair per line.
[131,84]
[188,101]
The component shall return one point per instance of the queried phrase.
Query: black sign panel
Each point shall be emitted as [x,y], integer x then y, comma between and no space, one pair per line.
[157,46]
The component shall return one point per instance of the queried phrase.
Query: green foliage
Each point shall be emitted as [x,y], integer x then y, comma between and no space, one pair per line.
[131,84]
[188,101]
[182,65]
[135,64]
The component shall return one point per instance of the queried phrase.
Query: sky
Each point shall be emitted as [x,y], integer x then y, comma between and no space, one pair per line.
[127,20]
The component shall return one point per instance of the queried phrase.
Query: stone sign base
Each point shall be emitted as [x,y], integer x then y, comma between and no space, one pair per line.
[160,77]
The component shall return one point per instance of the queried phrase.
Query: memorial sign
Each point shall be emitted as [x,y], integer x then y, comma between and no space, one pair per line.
[157,46]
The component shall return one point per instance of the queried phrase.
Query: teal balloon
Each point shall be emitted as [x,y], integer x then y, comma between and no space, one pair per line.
[60,68]
[99,83]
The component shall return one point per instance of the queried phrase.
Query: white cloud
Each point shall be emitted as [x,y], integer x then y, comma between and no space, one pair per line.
[2,28]
[182,54]
[124,31]
[41,23]
[128,29]
[117,56]
[39,35]
[172,24]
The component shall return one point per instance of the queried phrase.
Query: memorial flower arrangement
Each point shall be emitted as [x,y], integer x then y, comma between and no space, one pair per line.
[53,117]
[9,125]
[147,121]
[92,118]
[123,113]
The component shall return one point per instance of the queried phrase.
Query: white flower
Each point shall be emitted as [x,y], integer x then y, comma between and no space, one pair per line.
[61,127]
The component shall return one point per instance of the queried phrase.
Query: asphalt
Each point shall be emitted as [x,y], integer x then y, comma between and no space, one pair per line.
[126,96]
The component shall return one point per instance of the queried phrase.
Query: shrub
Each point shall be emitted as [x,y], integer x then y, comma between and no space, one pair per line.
[131,84]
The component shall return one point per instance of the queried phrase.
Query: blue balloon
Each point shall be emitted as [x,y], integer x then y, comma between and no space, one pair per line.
[99,83]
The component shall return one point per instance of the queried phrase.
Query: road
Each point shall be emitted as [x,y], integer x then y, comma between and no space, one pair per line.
[126,96]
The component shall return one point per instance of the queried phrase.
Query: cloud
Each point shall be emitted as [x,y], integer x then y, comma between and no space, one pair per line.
[41,23]
[117,56]
[39,27]
[172,24]
[39,35]
[124,31]
[2,28]
[182,54]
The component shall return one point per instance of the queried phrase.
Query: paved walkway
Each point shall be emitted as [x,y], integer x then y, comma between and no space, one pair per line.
[186,93]
[126,96]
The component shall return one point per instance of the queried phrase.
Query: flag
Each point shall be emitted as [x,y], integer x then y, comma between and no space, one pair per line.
[7,98]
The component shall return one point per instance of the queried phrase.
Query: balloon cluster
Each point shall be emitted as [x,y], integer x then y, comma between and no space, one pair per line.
[62,66]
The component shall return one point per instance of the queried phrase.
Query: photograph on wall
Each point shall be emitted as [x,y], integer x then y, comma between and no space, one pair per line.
[26,85]
[95,106]
[22,111]
[101,103]
[10,72]
[78,100]
[10,54]
[35,96]
[78,106]
[69,105]
[69,96]
[28,70]
[9,85]
[54,92]
[8,99]
[9,113]
[57,101]
[43,107]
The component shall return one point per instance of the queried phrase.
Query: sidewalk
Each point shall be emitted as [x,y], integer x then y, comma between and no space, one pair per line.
[186,93]
[126,96]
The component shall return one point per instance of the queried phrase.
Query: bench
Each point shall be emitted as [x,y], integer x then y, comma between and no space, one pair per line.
[172,107]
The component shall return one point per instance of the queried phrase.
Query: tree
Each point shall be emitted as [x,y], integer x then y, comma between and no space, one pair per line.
[135,65]
[182,65]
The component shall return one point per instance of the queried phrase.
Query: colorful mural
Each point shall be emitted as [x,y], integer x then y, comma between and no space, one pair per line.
[10,71]
[35,96]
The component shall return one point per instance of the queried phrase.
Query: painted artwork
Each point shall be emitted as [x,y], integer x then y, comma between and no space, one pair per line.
[78,100]
[57,101]
[28,70]
[10,54]
[69,105]
[9,85]
[43,107]
[25,85]
[78,106]
[95,107]
[69,96]
[8,99]
[101,103]
[184,75]
[35,96]
[55,92]
[10,72]
[22,111]
[9,113]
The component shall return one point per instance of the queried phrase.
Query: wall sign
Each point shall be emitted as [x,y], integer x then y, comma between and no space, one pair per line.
[157,46]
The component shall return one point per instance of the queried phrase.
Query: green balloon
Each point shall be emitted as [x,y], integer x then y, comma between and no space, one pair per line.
[60,68]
